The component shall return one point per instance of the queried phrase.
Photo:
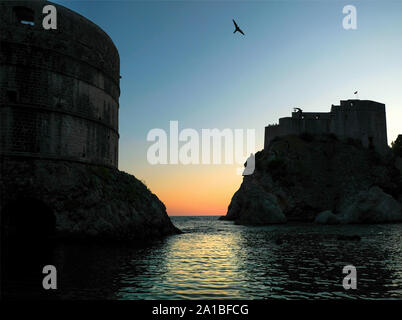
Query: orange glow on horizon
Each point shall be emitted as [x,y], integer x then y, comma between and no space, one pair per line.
[193,190]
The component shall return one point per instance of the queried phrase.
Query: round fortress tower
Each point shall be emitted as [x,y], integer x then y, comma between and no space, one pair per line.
[59,89]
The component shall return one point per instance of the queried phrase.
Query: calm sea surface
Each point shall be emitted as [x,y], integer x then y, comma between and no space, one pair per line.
[219,260]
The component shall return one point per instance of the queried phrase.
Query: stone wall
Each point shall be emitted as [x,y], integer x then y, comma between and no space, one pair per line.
[362,120]
[59,89]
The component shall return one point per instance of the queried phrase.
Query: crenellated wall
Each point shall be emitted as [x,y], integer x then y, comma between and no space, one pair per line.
[363,120]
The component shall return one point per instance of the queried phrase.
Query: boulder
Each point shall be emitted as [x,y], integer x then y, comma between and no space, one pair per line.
[327,217]
[254,206]
[372,206]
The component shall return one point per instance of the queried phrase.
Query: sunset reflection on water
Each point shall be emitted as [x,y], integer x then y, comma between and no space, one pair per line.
[218,260]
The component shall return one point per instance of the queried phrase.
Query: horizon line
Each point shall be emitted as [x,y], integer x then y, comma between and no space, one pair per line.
[195,215]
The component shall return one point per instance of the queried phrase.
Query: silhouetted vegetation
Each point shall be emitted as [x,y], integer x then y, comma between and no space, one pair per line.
[102,172]
[397,146]
[277,168]
[274,140]
[259,159]
[375,157]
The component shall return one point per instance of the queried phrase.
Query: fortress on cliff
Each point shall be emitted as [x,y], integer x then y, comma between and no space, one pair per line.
[363,120]
[59,108]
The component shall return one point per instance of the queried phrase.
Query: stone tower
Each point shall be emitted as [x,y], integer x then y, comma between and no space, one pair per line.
[59,101]
[59,89]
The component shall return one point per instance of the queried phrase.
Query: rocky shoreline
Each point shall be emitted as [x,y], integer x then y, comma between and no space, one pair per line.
[85,201]
[319,179]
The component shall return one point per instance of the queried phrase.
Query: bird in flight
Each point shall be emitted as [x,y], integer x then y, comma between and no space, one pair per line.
[237,28]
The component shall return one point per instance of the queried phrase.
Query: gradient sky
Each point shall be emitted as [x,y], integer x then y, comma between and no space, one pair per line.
[181,61]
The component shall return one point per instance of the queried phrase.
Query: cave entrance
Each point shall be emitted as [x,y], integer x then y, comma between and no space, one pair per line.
[27,219]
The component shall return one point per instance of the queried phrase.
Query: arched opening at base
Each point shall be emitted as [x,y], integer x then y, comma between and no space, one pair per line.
[27,219]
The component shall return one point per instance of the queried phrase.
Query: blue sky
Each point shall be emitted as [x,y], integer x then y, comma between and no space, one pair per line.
[181,61]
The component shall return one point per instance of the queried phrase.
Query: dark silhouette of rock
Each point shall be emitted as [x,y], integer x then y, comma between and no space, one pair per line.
[327,217]
[397,146]
[372,206]
[398,164]
[323,179]
[86,202]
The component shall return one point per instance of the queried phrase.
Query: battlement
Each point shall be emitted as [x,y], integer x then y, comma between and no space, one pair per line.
[364,120]
[362,105]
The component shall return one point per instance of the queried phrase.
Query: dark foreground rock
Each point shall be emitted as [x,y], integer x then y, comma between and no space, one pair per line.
[322,179]
[372,206]
[87,202]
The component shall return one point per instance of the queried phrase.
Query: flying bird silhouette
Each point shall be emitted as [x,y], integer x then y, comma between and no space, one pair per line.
[237,28]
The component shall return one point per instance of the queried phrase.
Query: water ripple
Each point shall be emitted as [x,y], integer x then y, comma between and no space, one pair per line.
[240,262]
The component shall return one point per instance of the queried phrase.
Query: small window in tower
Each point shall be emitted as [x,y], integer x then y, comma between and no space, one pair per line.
[25,15]
[31,23]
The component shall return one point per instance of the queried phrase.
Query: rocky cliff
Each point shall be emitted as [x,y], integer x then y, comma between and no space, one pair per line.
[321,179]
[81,201]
